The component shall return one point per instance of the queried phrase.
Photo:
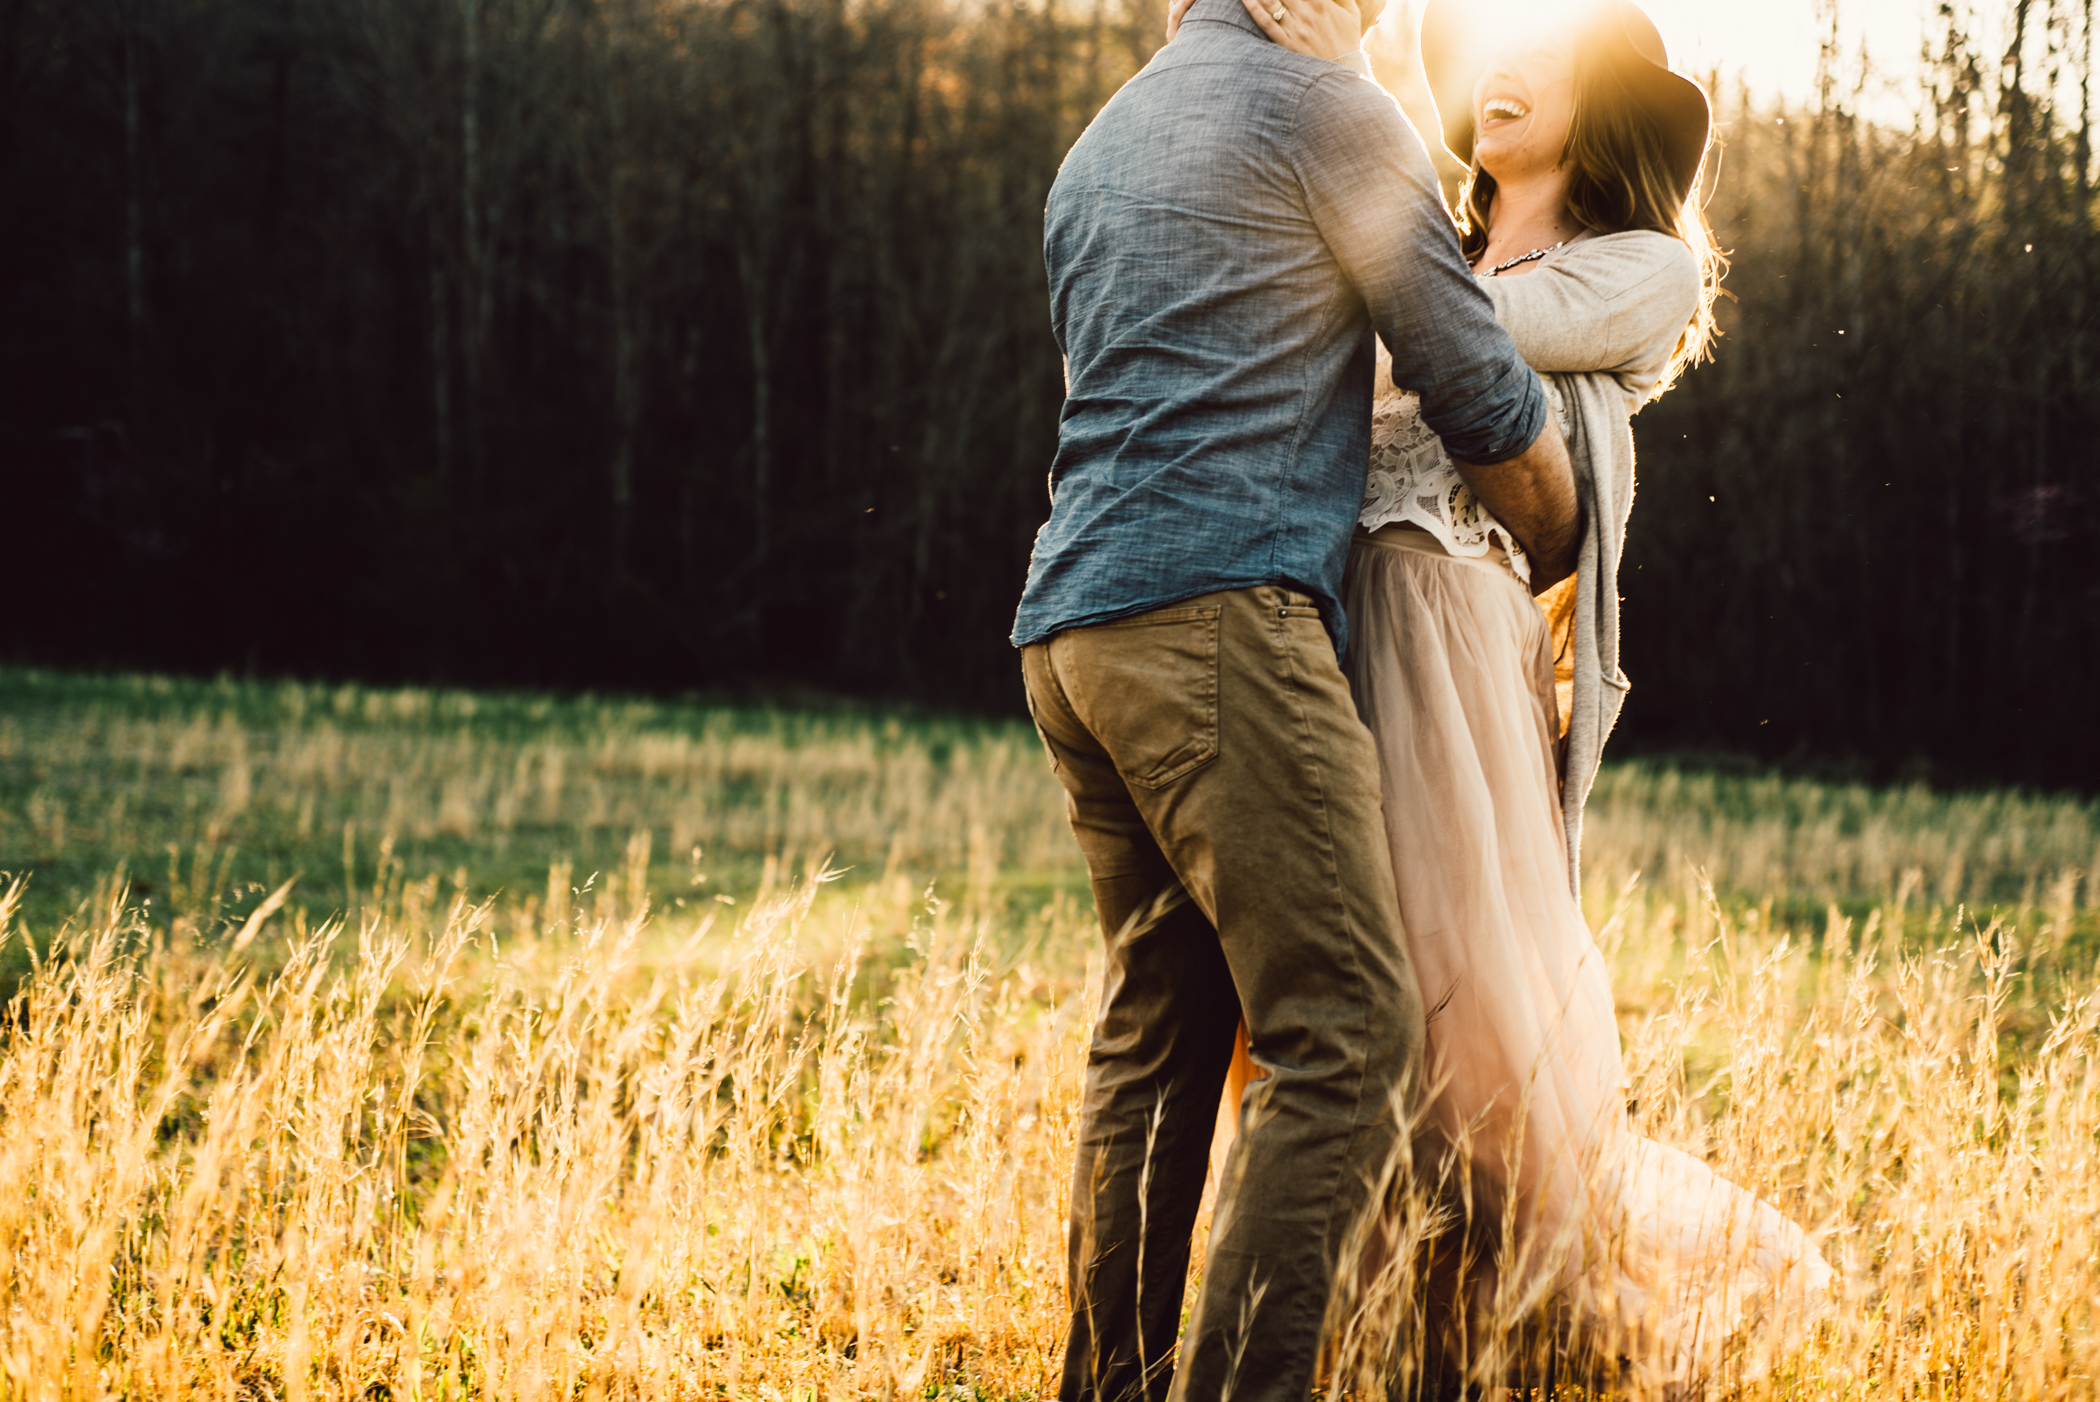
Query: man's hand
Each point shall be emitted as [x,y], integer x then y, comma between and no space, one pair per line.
[1533,496]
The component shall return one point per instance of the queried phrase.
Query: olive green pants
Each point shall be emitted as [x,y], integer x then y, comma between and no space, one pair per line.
[1213,747]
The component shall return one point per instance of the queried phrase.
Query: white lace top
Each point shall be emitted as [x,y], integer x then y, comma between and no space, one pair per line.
[1412,478]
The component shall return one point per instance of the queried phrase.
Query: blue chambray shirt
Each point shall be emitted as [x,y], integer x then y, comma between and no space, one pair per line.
[1221,242]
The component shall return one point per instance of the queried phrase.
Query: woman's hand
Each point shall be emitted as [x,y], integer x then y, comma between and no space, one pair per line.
[1320,28]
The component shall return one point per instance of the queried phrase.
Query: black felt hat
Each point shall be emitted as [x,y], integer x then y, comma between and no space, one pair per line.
[1460,37]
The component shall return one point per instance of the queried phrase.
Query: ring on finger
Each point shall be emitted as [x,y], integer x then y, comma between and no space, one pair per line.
[1278,14]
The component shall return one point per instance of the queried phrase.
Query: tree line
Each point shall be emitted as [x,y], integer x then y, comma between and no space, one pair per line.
[688,344]
[1866,530]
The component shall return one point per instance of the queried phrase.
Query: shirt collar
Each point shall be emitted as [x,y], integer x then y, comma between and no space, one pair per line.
[1223,12]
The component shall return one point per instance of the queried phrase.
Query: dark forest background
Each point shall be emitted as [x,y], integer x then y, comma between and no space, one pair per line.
[670,346]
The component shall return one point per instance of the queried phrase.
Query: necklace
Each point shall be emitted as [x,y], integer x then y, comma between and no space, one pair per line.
[1531,257]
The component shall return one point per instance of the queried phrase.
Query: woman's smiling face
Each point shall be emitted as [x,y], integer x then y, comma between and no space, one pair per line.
[1523,107]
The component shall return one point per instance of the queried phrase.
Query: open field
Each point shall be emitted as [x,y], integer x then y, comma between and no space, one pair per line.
[556,1071]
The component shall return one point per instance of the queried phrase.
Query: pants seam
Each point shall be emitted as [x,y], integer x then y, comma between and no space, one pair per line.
[1314,767]
[1063,698]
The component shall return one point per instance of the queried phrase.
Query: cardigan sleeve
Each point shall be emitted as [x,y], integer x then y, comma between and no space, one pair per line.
[1616,304]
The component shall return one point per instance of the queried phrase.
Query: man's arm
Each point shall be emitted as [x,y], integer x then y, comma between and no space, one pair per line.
[1533,496]
[1372,193]
[1371,189]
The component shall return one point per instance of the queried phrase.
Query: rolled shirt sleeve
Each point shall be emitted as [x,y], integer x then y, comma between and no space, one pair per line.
[1372,192]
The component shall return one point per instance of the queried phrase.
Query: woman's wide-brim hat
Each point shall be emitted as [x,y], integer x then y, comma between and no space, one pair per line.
[1461,37]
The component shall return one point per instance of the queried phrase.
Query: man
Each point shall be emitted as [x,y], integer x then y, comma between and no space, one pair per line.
[1221,243]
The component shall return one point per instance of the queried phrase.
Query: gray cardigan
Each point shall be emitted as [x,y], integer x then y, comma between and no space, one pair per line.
[1600,319]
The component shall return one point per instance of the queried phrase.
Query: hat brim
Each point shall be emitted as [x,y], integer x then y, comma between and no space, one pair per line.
[1459,40]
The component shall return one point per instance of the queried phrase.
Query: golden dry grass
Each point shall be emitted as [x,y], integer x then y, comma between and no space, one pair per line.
[413,1135]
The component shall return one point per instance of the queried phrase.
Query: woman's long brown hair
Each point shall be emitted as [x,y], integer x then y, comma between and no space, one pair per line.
[1621,182]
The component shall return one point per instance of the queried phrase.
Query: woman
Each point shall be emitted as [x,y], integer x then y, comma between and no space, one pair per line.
[1580,216]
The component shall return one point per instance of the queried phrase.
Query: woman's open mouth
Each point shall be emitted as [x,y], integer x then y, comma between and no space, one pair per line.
[1497,110]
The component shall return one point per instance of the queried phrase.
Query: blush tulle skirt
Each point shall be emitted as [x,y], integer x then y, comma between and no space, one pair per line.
[1550,1205]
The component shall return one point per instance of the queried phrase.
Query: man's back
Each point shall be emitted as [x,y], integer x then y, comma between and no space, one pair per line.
[1220,243]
